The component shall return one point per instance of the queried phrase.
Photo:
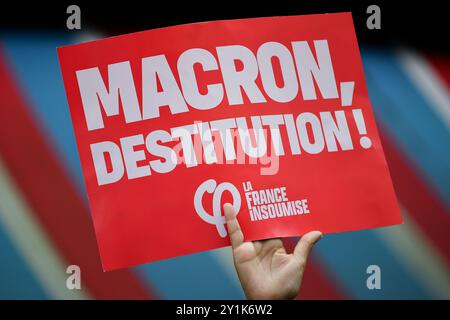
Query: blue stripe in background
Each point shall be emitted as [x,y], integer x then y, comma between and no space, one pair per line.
[17,281]
[408,117]
[196,276]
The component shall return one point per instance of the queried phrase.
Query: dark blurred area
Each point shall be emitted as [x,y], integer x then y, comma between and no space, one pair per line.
[412,23]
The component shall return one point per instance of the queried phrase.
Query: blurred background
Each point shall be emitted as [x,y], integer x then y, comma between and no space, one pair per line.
[45,223]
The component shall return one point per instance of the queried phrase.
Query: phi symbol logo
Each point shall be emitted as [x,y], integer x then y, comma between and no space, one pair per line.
[216,218]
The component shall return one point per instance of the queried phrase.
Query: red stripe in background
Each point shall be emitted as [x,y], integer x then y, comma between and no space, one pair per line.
[441,65]
[315,284]
[421,202]
[53,198]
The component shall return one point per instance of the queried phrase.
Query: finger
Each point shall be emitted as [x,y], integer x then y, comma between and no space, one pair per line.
[234,229]
[305,244]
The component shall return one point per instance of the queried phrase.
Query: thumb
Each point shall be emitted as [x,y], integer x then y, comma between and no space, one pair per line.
[305,244]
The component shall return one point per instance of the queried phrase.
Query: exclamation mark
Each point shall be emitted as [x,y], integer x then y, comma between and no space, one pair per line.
[347,89]
[364,141]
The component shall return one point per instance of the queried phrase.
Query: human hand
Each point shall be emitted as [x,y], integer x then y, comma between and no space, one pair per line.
[265,269]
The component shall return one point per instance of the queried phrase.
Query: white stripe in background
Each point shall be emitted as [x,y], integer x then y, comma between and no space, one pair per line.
[413,248]
[427,82]
[32,242]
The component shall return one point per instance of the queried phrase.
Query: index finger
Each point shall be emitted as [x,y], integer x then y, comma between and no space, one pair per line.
[234,229]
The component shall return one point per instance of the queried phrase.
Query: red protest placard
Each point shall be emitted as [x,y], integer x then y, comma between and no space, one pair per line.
[270,114]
